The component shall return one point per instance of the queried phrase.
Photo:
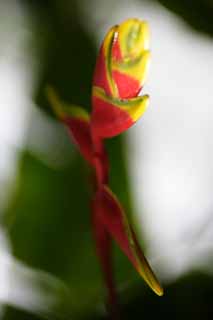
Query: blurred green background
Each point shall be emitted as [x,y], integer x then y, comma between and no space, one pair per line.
[49,267]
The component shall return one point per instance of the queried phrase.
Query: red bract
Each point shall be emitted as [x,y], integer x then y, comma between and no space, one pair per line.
[119,75]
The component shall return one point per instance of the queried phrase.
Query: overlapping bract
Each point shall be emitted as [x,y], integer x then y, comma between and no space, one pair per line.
[112,216]
[119,75]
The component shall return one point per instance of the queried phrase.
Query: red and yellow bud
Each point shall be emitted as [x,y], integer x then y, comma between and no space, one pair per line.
[77,121]
[112,216]
[120,73]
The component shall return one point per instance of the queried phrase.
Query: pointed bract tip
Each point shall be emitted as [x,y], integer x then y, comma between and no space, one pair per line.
[133,37]
[54,101]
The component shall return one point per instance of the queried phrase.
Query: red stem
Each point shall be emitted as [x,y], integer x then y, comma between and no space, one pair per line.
[104,250]
[102,237]
[101,161]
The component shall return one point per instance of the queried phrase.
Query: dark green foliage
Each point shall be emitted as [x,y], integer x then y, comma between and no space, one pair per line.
[197,13]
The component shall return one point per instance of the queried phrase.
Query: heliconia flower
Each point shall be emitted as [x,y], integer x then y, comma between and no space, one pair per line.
[120,73]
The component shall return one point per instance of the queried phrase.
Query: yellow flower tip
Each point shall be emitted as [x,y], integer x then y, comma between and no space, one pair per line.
[159,290]
[133,36]
[108,40]
[62,110]
[54,101]
[151,279]
[137,109]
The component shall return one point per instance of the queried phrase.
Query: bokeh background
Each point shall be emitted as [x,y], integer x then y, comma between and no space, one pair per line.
[161,170]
